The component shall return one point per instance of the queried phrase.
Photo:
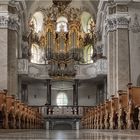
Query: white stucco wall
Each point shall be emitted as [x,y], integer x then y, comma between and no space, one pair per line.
[37,95]
[134,44]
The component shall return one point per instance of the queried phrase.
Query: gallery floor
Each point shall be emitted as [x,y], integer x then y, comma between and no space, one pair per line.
[69,135]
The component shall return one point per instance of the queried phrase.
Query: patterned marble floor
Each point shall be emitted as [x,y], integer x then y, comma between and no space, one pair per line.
[68,135]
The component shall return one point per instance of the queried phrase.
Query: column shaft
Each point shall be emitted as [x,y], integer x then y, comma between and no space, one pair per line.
[110,64]
[122,59]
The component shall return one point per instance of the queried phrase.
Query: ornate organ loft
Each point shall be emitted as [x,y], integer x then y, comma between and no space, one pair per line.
[61,39]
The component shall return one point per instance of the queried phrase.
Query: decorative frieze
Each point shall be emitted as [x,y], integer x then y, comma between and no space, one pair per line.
[116,21]
[110,24]
[135,28]
[9,21]
[122,22]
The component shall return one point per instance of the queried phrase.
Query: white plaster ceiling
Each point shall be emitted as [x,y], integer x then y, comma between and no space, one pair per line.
[90,5]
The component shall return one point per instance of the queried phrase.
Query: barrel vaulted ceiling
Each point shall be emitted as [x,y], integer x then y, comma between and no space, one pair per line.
[90,5]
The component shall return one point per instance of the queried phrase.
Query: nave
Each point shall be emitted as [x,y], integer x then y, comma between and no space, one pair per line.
[69,135]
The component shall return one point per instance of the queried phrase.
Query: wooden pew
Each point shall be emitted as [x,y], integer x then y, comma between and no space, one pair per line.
[17,114]
[3,109]
[98,117]
[95,118]
[10,102]
[102,119]
[107,114]
[123,109]
[22,110]
[114,112]
[134,106]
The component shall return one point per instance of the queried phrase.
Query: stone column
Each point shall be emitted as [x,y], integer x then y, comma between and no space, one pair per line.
[9,28]
[48,101]
[110,32]
[118,48]
[114,63]
[77,125]
[50,98]
[122,53]
[47,125]
[3,47]
[75,93]
[12,61]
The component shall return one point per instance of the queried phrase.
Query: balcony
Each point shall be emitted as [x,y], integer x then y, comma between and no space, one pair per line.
[61,111]
[83,71]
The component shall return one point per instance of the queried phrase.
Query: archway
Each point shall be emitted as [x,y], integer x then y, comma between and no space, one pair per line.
[62,126]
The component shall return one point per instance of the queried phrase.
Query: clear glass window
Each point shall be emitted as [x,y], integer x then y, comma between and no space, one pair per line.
[90,25]
[61,25]
[88,52]
[37,54]
[62,99]
[36,22]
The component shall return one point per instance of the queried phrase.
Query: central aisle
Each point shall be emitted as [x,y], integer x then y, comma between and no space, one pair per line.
[68,135]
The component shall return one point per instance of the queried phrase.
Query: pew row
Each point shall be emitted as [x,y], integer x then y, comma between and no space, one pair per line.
[16,115]
[119,112]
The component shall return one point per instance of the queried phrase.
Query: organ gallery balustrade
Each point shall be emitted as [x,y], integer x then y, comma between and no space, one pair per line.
[48,111]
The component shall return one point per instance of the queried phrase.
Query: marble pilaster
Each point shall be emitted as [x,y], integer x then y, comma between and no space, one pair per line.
[3,59]
[110,64]
[122,59]
[12,62]
[114,63]
[75,93]
[3,52]
[9,28]
[118,49]
[48,102]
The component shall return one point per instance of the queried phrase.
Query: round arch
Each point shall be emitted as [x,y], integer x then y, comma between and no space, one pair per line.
[62,99]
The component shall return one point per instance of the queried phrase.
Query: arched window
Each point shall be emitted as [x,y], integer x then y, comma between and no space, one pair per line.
[62,24]
[37,22]
[90,24]
[86,20]
[88,52]
[37,54]
[62,99]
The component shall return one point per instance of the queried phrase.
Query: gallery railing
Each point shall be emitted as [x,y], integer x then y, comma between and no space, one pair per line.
[63,111]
